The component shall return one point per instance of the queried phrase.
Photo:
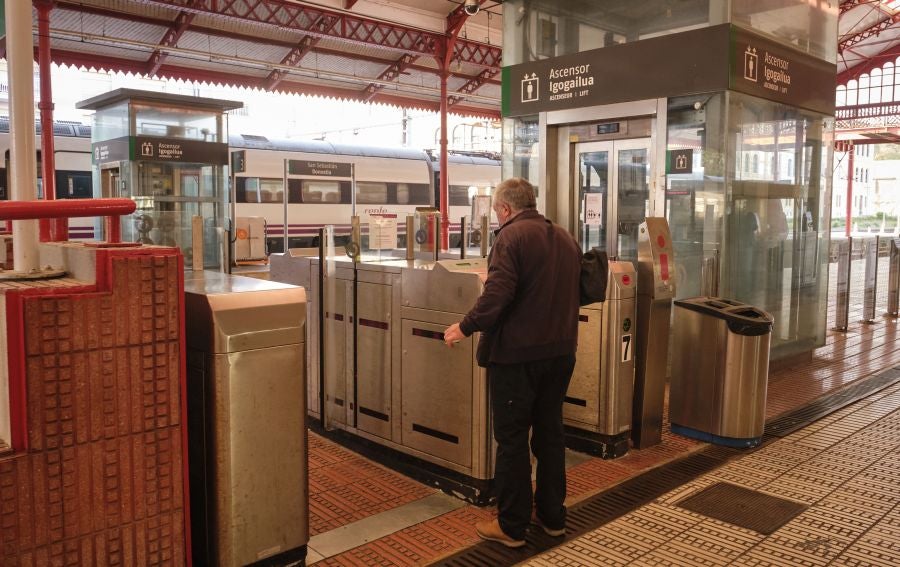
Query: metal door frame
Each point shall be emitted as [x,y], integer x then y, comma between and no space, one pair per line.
[611,214]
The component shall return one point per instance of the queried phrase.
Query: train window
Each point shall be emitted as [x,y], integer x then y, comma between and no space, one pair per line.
[371,193]
[322,191]
[258,190]
[412,194]
[459,195]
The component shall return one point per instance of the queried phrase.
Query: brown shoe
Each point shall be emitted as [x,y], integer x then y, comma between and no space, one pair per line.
[491,531]
[536,520]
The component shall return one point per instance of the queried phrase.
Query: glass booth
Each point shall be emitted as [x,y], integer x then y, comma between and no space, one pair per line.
[170,154]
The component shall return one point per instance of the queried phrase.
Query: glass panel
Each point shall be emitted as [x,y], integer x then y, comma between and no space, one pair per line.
[110,123]
[593,178]
[168,195]
[695,202]
[182,123]
[633,192]
[776,257]
[808,26]
[539,29]
[521,149]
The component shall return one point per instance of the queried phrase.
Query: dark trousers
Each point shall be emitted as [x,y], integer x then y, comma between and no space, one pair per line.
[530,396]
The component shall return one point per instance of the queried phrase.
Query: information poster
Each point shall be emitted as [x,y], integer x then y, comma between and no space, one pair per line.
[382,232]
[593,209]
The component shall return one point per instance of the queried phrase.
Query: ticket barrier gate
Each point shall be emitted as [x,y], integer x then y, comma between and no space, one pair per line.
[656,288]
[597,408]
[388,378]
[248,471]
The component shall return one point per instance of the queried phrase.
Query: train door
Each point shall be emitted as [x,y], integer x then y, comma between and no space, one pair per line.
[612,185]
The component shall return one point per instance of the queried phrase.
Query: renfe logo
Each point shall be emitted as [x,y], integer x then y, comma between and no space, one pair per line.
[530,90]
[751,64]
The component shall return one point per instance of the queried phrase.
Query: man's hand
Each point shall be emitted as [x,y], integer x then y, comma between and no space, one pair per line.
[453,335]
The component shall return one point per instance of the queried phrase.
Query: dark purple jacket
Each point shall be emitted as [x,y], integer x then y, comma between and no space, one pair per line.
[529,308]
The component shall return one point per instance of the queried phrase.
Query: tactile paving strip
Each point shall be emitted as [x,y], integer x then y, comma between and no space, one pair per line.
[794,420]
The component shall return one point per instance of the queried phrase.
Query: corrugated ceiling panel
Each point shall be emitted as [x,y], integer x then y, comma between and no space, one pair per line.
[229,47]
[110,27]
[98,49]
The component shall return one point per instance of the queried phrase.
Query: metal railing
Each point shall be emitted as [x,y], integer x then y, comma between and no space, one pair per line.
[110,209]
[869,250]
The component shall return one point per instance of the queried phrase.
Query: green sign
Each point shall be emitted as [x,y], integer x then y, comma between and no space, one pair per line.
[626,324]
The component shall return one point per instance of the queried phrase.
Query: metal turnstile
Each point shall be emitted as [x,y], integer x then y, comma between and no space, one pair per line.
[247,433]
[387,376]
[656,288]
[597,409]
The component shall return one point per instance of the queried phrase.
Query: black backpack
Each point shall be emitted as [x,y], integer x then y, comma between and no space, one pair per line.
[594,273]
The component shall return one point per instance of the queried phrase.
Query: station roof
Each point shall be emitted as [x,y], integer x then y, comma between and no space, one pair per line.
[868,36]
[380,51]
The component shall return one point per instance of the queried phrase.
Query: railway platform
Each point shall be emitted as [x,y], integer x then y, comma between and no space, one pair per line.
[830,451]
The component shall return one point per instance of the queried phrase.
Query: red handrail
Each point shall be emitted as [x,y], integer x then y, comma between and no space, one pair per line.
[112,209]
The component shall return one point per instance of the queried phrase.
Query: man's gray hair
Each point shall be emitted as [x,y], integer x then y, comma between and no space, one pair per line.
[516,192]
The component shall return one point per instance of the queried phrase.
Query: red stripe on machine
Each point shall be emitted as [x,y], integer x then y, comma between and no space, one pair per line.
[664,266]
[375,324]
[425,333]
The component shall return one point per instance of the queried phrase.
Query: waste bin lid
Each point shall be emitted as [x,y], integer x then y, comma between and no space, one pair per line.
[742,319]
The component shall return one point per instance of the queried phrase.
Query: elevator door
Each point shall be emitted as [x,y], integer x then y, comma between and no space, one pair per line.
[612,183]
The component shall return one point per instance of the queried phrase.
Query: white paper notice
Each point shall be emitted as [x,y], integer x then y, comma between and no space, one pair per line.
[593,209]
[382,232]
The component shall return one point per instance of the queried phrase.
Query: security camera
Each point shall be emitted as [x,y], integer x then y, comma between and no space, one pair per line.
[471,7]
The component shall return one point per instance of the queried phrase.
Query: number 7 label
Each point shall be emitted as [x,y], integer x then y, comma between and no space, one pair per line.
[626,348]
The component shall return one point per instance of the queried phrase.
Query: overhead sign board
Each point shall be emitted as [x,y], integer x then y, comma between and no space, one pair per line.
[705,60]
[150,148]
[767,69]
[317,168]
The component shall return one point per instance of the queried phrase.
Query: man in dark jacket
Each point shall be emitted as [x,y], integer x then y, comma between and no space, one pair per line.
[528,319]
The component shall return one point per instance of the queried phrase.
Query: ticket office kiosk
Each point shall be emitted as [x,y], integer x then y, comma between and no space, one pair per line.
[170,154]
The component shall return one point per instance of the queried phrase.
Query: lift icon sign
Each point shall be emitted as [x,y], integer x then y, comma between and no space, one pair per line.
[530,88]
[147,149]
[751,64]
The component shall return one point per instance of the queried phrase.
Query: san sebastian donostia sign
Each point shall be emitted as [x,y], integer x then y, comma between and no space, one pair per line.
[319,168]
[692,62]
[151,148]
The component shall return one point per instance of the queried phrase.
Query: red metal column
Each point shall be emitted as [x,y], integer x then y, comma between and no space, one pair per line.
[60,229]
[851,149]
[445,190]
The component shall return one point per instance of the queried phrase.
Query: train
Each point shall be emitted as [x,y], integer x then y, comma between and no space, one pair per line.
[388,181]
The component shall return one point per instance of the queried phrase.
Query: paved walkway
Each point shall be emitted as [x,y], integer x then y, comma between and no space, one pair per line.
[845,468]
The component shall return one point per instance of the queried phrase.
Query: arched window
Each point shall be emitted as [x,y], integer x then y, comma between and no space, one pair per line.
[863,89]
[875,86]
[840,97]
[852,92]
[887,83]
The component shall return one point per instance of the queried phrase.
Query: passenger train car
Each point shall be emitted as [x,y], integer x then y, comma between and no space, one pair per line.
[388,181]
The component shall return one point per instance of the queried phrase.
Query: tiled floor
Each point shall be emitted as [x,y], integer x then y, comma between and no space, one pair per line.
[845,467]
[346,488]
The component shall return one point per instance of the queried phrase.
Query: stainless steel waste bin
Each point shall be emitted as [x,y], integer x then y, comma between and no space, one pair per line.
[246,419]
[720,369]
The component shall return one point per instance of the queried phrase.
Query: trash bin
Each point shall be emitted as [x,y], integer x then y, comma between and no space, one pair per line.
[720,369]
[246,412]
